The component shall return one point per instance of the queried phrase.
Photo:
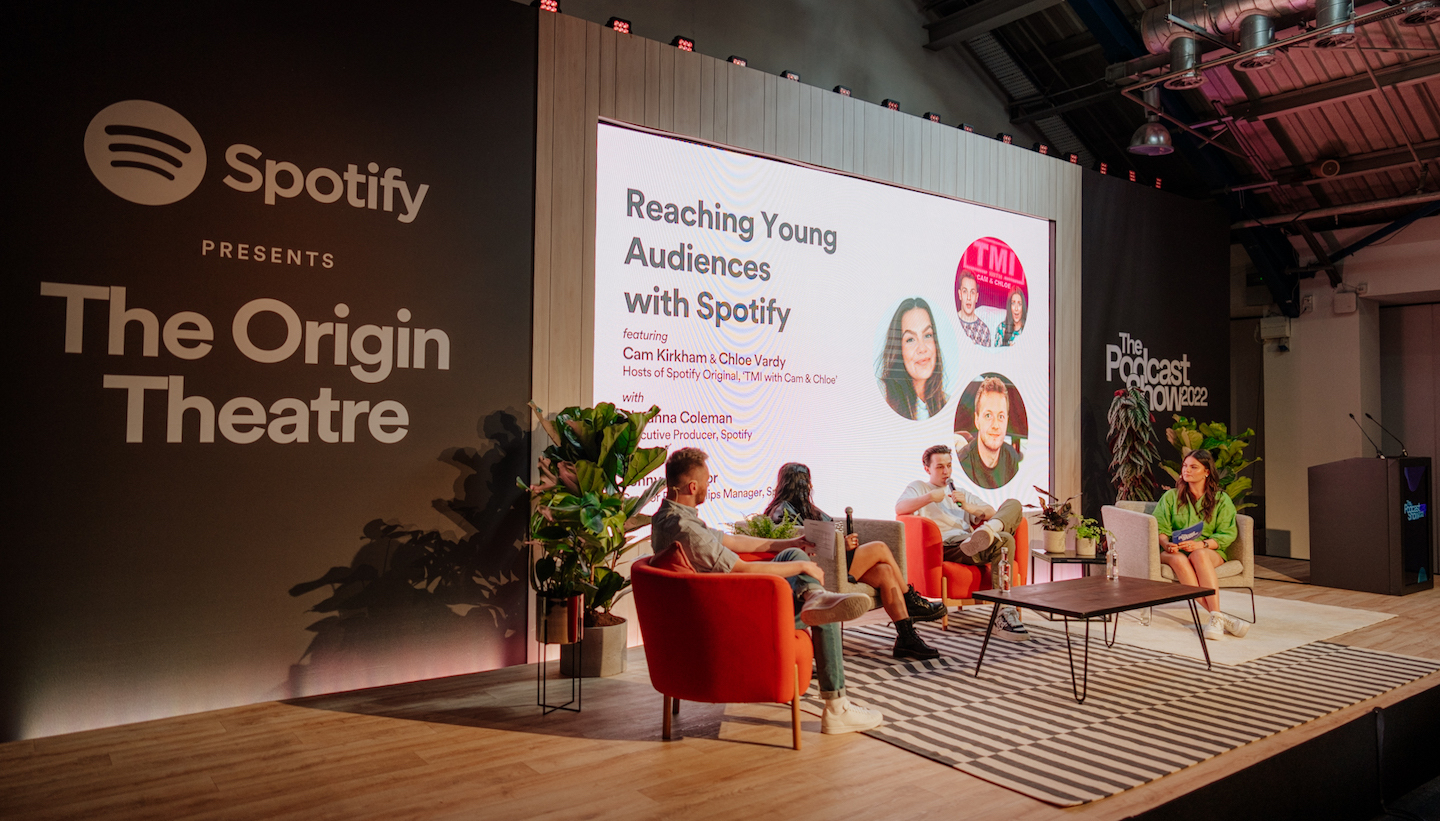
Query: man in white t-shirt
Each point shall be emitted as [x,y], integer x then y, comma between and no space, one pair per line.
[974,532]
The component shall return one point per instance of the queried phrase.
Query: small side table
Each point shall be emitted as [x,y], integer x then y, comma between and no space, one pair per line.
[1068,557]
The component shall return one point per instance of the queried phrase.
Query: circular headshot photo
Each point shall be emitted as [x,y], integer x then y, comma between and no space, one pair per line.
[991,427]
[910,368]
[992,301]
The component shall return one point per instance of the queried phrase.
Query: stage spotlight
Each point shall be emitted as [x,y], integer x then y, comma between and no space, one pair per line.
[1133,178]
[1041,148]
[1157,183]
[791,75]
[893,105]
[622,26]
[932,116]
[1005,138]
[1103,167]
[739,61]
[1074,159]
[683,43]
[546,5]
[842,91]
[967,127]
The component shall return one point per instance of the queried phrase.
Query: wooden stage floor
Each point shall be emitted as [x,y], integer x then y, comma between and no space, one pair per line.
[476,747]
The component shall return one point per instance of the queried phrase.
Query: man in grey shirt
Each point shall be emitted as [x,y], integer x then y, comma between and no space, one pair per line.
[677,522]
[974,532]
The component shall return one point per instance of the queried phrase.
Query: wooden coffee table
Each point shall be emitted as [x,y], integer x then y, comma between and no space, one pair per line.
[1090,598]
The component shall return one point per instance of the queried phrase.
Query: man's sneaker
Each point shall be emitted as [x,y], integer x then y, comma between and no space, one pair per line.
[1009,627]
[920,608]
[1235,627]
[909,645]
[978,542]
[840,716]
[823,607]
[1215,629]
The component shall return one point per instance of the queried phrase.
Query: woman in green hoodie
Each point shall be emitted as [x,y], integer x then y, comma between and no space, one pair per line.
[1198,500]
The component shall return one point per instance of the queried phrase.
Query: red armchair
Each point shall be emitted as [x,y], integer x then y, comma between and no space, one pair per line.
[952,582]
[721,638]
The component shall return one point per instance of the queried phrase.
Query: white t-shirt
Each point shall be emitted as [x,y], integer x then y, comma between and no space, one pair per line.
[954,522]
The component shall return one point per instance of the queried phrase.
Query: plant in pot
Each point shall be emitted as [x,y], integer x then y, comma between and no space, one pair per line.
[1054,518]
[582,515]
[1229,452]
[1132,446]
[763,527]
[1089,535]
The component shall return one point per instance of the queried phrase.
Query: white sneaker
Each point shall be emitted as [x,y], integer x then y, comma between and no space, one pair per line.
[840,716]
[823,607]
[1236,627]
[1008,625]
[1215,629]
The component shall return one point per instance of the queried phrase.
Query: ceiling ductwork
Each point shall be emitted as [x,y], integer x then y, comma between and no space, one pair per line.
[1422,14]
[1249,23]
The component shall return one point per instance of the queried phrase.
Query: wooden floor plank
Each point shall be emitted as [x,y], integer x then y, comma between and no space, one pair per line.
[477,746]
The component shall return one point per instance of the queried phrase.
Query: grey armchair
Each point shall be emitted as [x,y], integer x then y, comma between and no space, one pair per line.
[831,558]
[1137,538]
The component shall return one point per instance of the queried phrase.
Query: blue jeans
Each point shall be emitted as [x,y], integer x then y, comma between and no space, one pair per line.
[829,659]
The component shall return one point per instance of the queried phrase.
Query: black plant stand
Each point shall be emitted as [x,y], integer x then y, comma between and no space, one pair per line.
[542,681]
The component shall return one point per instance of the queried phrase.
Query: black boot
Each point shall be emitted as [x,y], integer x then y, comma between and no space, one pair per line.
[909,645]
[920,608]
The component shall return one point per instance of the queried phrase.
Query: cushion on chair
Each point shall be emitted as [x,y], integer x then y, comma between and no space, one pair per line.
[1234,567]
[674,559]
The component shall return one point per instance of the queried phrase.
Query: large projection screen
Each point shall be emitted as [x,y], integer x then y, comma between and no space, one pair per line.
[777,312]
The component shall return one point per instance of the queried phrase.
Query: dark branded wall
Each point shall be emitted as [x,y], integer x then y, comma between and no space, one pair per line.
[268,274]
[1155,313]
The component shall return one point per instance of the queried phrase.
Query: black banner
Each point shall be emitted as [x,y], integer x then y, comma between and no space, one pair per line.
[269,274]
[1155,283]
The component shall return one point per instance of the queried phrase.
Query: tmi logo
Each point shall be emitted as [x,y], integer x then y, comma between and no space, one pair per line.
[145,152]
[1414,511]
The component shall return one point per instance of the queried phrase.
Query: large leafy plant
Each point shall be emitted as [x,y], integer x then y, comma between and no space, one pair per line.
[582,514]
[1229,452]
[1132,446]
[763,527]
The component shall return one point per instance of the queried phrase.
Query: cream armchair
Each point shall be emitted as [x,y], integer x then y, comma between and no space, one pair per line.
[831,558]
[1137,538]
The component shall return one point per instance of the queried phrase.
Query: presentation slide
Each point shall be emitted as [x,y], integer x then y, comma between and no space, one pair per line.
[778,313]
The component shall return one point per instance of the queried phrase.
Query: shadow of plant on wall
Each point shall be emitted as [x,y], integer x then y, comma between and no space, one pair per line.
[417,603]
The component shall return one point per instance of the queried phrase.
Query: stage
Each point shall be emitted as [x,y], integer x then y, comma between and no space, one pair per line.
[476,746]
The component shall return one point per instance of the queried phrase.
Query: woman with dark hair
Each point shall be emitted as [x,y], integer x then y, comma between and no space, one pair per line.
[871,563]
[1197,500]
[911,371]
[1016,309]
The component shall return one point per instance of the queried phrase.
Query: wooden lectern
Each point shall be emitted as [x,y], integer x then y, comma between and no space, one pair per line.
[1370,525]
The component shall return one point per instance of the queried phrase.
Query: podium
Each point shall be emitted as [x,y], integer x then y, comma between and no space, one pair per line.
[1370,525]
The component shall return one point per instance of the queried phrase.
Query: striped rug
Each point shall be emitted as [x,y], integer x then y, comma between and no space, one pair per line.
[1018,725]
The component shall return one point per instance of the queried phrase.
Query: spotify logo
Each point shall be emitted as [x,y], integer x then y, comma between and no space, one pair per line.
[145,152]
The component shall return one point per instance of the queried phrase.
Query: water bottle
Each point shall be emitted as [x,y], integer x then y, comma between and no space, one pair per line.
[1112,572]
[1004,583]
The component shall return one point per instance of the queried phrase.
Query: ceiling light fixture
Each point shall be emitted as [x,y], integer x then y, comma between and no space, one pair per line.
[1151,139]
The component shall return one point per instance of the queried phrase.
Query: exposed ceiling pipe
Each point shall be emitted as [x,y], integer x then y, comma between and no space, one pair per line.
[1339,210]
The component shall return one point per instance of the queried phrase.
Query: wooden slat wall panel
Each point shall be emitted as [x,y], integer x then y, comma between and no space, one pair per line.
[587,71]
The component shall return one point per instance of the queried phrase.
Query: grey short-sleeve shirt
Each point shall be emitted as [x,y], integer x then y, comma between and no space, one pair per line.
[675,522]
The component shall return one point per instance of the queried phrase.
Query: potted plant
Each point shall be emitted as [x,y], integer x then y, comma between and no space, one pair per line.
[582,517]
[763,527]
[1132,446]
[1054,518]
[1229,452]
[1088,534]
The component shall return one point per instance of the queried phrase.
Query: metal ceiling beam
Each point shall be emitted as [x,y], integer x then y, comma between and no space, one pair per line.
[984,16]
[1061,108]
[1355,165]
[1338,210]
[1337,91]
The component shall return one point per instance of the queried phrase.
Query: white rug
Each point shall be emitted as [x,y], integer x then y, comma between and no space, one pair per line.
[1283,624]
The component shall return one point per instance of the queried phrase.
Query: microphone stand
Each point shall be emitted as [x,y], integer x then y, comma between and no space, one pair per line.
[1378,453]
[1403,451]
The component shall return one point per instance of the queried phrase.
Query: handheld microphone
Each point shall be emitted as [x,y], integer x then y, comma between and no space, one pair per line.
[1378,453]
[1403,451]
[849,520]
